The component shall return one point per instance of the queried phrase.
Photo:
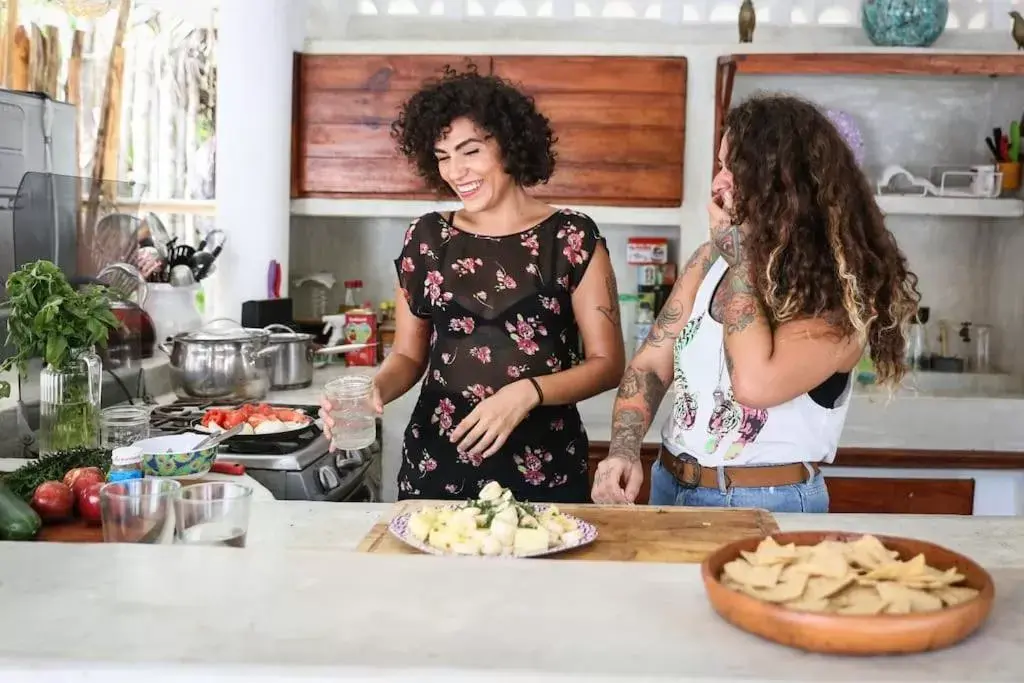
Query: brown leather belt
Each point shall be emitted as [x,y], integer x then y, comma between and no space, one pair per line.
[689,473]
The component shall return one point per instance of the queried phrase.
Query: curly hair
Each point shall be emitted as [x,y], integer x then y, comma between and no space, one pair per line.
[818,241]
[523,134]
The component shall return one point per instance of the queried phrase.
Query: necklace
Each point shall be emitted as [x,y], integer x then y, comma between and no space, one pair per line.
[718,394]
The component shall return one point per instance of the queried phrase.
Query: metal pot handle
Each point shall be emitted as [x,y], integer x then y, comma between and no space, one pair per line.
[165,347]
[278,326]
[266,352]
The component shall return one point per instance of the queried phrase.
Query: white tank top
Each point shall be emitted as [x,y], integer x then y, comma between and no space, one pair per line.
[724,432]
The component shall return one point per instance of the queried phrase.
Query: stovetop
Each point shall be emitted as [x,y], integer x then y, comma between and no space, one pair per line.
[298,465]
[291,451]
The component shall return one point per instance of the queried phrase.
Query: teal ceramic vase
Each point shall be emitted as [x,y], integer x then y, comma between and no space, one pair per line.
[904,23]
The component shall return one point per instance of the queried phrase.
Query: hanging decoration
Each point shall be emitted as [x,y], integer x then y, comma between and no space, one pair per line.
[85,9]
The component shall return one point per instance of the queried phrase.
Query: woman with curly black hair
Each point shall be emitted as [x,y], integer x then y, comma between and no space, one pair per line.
[494,300]
[761,335]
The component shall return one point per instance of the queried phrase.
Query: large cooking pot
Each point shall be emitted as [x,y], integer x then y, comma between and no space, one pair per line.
[292,364]
[222,364]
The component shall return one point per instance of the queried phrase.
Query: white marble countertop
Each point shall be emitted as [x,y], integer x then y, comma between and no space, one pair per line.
[298,605]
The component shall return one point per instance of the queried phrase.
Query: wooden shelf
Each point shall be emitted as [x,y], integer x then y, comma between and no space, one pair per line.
[883,63]
[898,64]
[407,209]
[896,205]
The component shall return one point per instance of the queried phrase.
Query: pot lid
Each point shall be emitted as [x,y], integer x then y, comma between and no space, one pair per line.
[226,334]
[276,337]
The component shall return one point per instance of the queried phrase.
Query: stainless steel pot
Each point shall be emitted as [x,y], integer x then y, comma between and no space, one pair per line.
[291,366]
[230,364]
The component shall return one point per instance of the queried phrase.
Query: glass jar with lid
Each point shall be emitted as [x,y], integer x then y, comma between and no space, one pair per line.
[123,425]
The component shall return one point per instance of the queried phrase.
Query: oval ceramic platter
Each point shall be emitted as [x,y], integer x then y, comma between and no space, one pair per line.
[399,528]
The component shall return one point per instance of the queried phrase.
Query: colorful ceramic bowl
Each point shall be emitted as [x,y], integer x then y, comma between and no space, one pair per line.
[175,456]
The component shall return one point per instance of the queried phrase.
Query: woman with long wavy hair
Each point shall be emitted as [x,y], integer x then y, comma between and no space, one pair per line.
[762,333]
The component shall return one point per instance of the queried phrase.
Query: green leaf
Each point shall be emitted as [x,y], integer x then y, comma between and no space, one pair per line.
[48,317]
[56,348]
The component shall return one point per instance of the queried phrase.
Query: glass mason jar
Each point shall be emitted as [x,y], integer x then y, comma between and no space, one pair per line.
[123,425]
[69,403]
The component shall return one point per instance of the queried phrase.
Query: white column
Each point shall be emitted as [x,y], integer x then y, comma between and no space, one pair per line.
[256,41]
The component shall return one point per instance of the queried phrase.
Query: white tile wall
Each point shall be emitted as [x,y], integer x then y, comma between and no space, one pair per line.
[364,248]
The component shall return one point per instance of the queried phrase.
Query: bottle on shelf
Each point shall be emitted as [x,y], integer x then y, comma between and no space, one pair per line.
[353,295]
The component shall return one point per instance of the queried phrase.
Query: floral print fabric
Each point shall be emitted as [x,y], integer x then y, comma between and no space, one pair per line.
[500,310]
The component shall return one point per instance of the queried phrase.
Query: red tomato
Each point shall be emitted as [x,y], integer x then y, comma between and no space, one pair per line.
[85,479]
[257,420]
[87,501]
[53,501]
[264,410]
[233,418]
[290,415]
[72,475]
[211,417]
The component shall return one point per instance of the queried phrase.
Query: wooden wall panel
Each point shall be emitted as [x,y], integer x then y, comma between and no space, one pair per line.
[598,144]
[900,496]
[659,75]
[385,178]
[381,73]
[345,106]
[620,123]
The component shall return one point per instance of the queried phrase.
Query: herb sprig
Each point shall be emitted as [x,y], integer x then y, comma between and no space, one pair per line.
[49,318]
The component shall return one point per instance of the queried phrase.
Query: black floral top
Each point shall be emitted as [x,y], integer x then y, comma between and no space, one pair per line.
[501,310]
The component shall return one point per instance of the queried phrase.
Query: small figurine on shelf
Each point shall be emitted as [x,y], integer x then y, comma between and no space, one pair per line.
[747,21]
[1018,29]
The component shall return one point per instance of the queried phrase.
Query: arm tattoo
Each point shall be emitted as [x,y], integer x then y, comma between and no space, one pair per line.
[611,311]
[729,243]
[628,429]
[701,258]
[656,337]
[630,384]
[672,312]
[649,383]
[736,303]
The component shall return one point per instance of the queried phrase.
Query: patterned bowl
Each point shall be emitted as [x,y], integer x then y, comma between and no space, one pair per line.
[175,456]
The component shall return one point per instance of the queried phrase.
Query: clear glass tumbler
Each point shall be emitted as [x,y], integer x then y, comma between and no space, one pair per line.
[213,513]
[355,424]
[138,510]
[123,425]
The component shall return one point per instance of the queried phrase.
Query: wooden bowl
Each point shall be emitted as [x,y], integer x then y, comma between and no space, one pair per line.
[845,634]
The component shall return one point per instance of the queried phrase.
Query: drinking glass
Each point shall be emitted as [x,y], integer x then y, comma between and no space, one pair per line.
[213,513]
[138,510]
[355,425]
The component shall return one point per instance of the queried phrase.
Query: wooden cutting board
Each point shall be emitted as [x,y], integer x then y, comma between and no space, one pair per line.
[73,531]
[639,533]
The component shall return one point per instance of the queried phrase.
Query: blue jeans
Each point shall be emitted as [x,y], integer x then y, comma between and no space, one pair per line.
[810,496]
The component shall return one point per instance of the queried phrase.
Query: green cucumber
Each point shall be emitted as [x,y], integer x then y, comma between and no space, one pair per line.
[18,521]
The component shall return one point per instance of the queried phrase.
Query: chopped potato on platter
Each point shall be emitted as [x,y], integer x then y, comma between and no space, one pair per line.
[860,577]
[494,524]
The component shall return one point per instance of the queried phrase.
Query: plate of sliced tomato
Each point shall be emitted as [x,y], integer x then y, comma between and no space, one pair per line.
[259,420]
